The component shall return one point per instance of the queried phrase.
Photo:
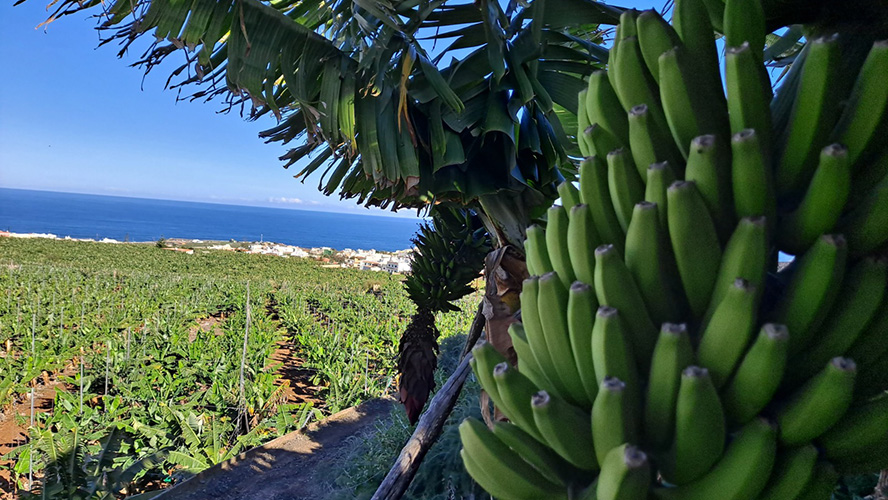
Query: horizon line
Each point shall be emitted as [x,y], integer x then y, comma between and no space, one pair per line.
[246,203]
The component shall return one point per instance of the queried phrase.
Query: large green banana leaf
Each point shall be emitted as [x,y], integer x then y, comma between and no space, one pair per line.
[395,103]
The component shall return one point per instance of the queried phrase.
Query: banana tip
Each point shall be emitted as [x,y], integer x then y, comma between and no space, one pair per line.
[844,364]
[540,399]
[674,328]
[776,331]
[613,384]
[634,458]
[695,372]
[500,369]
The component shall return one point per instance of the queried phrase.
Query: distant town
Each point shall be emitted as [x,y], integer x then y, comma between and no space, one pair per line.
[366,260]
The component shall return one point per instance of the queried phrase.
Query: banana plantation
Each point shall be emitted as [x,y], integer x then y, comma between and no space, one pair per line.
[133,368]
[682,216]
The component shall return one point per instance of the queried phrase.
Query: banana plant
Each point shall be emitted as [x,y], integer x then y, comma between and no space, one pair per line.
[367,92]
[449,254]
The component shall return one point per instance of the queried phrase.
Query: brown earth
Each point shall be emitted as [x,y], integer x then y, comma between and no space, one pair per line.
[14,421]
[299,465]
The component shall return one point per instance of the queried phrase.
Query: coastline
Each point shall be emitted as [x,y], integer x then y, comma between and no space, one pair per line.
[144,220]
[397,262]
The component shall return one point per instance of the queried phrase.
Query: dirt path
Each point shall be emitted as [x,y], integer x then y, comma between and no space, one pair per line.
[301,465]
[291,375]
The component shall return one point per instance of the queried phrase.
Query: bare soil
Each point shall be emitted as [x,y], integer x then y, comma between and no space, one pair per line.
[14,421]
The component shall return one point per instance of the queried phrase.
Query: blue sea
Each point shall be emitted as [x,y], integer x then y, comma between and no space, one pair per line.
[140,219]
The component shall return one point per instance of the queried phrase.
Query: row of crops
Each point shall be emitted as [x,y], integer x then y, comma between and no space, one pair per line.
[167,363]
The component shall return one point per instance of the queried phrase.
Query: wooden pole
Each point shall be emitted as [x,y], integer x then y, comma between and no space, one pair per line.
[427,431]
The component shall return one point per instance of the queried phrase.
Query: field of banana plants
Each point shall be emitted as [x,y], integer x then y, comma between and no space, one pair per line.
[167,363]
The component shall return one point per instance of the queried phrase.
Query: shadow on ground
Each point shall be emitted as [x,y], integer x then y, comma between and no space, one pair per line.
[296,466]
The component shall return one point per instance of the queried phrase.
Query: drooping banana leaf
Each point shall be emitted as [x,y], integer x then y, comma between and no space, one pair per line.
[379,96]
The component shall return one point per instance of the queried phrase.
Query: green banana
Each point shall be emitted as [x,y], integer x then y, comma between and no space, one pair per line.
[613,422]
[748,98]
[728,333]
[689,106]
[484,359]
[581,306]
[814,112]
[655,36]
[615,287]
[740,474]
[569,194]
[745,256]
[699,438]
[603,107]
[758,377]
[857,431]
[822,484]
[566,429]
[595,193]
[541,457]
[626,187]
[556,244]
[822,204]
[648,259]
[870,346]
[709,167]
[647,143]
[672,354]
[582,239]
[627,24]
[536,338]
[612,54]
[865,227]
[692,23]
[634,84]
[858,301]
[527,362]
[811,290]
[785,98]
[582,124]
[792,471]
[537,255]
[611,352]
[744,22]
[552,308]
[600,141]
[751,176]
[695,244]
[867,175]
[625,474]
[870,460]
[819,404]
[867,107]
[515,390]
[659,177]
[500,470]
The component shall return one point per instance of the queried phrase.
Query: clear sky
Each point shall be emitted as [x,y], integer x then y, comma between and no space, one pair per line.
[75,118]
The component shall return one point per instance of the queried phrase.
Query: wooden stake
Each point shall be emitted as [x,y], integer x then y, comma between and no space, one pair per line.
[427,431]
[430,423]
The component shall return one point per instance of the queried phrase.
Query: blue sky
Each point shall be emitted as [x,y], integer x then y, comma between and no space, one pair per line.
[76,118]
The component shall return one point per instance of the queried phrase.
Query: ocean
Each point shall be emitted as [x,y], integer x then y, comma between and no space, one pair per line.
[140,219]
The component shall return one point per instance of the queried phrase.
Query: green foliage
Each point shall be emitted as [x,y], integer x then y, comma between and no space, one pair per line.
[159,338]
[380,113]
[441,475]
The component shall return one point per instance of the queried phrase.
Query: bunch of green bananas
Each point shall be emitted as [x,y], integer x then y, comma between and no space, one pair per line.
[660,352]
[449,254]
